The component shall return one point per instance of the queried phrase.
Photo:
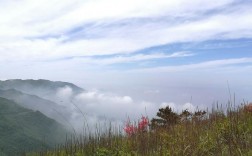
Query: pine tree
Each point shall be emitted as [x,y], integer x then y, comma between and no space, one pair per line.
[166,118]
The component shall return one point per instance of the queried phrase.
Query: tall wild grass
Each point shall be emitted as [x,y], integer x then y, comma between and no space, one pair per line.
[219,132]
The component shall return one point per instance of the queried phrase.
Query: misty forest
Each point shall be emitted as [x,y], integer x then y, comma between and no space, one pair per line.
[126,78]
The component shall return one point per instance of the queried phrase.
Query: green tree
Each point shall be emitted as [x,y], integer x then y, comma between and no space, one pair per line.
[166,118]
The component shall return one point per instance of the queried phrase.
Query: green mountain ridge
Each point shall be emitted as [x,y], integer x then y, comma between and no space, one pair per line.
[23,129]
[35,103]
[38,87]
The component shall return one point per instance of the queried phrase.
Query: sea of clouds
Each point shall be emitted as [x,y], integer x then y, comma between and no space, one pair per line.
[95,107]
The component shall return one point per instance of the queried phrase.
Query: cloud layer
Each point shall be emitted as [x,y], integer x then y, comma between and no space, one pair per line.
[58,29]
[96,107]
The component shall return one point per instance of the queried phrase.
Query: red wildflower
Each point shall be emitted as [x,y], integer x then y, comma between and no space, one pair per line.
[143,124]
[130,129]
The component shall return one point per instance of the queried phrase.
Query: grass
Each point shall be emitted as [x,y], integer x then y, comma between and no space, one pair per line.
[217,132]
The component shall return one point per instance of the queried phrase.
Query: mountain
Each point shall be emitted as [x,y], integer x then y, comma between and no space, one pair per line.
[52,98]
[41,88]
[36,103]
[23,129]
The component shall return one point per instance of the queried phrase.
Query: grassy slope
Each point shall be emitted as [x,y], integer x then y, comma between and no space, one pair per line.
[23,129]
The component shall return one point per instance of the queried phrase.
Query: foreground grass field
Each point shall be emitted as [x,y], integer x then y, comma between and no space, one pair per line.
[217,132]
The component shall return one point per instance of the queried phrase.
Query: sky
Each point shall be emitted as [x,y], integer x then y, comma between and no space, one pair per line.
[167,52]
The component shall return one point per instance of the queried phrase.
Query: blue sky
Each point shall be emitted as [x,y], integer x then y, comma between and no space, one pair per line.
[172,49]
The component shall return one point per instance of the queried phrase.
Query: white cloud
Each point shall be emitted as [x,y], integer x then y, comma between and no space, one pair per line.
[64,94]
[98,107]
[199,66]
[188,106]
[131,58]
[38,30]
[179,108]
[170,104]
[47,15]
[112,106]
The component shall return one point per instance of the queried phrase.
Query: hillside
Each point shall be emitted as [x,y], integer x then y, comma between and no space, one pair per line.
[23,129]
[52,98]
[42,88]
[35,103]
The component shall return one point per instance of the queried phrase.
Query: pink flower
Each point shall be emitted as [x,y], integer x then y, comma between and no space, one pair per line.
[143,124]
[130,129]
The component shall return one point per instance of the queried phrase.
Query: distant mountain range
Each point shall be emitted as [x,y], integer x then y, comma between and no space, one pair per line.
[31,114]
[41,88]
